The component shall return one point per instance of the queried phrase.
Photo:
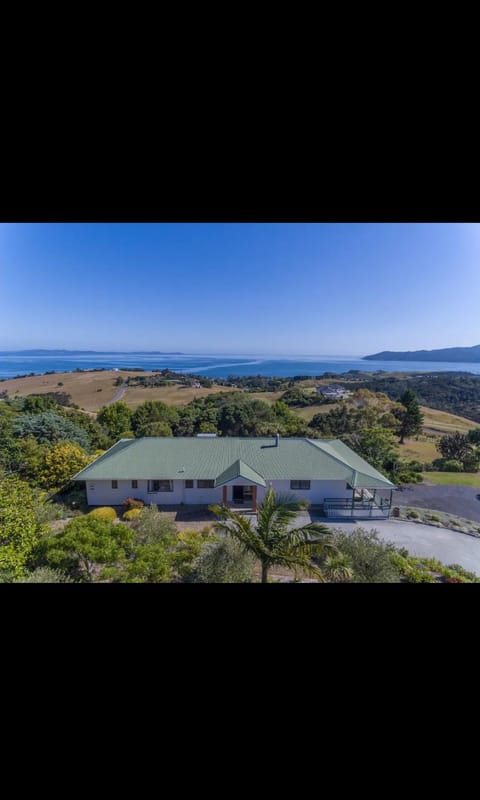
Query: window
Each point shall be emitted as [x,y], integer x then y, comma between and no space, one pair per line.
[188,484]
[205,484]
[160,486]
[134,484]
[114,484]
[299,484]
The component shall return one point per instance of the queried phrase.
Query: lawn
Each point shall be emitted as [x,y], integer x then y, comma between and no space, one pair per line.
[423,450]
[453,478]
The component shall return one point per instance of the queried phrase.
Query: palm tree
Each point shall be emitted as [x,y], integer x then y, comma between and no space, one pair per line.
[271,540]
[338,568]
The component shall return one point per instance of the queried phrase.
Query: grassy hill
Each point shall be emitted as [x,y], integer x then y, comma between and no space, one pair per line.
[91,390]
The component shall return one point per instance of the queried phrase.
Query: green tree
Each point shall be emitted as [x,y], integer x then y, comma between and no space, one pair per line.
[86,543]
[152,527]
[473,437]
[454,446]
[224,561]
[49,428]
[19,529]
[272,540]
[115,418]
[35,404]
[375,445]
[157,429]
[153,411]
[60,463]
[148,563]
[411,419]
[30,465]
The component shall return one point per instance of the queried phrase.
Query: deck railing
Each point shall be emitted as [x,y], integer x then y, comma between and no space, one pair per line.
[363,508]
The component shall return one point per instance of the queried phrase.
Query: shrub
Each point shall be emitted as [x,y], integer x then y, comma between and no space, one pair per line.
[133,513]
[224,561]
[434,517]
[413,514]
[452,465]
[133,502]
[45,575]
[415,466]
[371,560]
[471,462]
[104,513]
[151,527]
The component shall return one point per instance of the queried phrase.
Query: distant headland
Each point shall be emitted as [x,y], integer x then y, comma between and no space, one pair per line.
[452,354]
[87,353]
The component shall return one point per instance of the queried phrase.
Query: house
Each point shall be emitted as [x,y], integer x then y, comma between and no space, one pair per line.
[333,392]
[236,471]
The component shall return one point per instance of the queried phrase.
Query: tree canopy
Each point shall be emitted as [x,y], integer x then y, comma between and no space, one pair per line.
[19,530]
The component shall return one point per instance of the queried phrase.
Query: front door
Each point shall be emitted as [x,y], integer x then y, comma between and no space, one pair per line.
[237,494]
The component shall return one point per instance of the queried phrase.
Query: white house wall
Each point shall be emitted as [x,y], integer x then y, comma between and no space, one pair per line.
[317,493]
[100,493]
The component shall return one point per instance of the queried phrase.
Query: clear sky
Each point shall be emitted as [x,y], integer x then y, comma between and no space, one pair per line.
[279,289]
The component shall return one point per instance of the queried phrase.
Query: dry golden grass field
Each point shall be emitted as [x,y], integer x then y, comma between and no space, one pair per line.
[441,422]
[173,395]
[91,390]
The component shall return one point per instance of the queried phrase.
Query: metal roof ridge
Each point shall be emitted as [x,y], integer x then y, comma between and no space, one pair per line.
[102,456]
[331,455]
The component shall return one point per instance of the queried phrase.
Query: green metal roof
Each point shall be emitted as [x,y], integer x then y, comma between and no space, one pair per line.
[365,476]
[190,458]
[239,470]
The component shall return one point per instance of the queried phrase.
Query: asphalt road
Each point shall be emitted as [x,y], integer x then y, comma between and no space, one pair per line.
[118,395]
[449,547]
[463,501]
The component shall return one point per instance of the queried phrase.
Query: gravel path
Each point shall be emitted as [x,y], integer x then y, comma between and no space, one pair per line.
[118,395]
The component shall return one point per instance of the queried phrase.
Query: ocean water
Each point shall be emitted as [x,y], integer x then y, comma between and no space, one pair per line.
[220,366]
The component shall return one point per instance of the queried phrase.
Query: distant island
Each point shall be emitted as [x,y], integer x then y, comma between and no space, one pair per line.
[459,354]
[86,353]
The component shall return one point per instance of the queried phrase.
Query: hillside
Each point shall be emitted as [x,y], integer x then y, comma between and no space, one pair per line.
[460,354]
[91,390]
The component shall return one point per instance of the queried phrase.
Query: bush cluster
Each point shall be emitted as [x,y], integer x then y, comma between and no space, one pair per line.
[104,513]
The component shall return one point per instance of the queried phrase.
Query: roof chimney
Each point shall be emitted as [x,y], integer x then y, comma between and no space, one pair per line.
[277,439]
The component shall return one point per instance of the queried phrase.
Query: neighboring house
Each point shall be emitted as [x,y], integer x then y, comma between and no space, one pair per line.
[237,471]
[333,392]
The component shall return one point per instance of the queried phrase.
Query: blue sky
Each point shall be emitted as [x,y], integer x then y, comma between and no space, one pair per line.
[279,289]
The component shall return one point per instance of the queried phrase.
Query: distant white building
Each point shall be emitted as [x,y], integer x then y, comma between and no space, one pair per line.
[333,392]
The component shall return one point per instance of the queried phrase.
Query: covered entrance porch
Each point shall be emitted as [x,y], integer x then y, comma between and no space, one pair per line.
[242,496]
[240,484]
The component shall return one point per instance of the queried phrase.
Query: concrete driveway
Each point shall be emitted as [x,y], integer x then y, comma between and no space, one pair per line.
[449,547]
[462,501]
